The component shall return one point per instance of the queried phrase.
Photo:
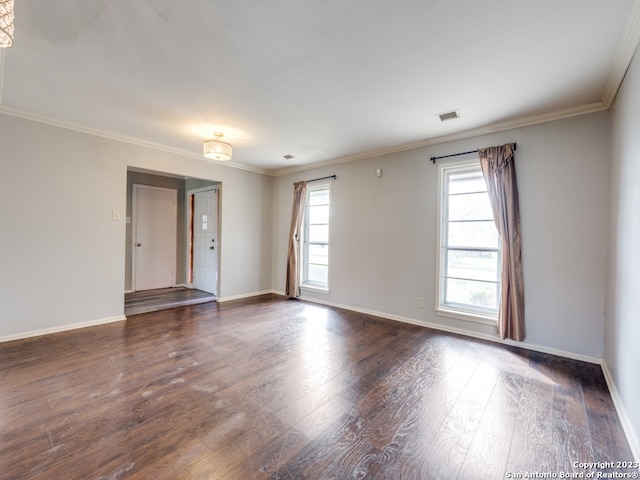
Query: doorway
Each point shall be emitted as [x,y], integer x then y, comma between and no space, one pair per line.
[182,285]
[203,236]
[154,237]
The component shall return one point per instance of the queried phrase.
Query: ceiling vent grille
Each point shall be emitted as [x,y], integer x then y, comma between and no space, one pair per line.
[449,115]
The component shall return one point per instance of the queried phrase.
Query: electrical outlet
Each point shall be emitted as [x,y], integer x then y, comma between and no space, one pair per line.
[420,302]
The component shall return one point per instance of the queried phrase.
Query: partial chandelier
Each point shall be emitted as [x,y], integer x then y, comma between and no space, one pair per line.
[6,23]
[216,149]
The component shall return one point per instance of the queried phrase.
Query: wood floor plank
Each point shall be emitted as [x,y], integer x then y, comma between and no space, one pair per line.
[268,387]
[483,446]
[607,437]
[316,410]
[449,448]
[338,452]
[571,439]
[417,426]
[503,408]
[531,448]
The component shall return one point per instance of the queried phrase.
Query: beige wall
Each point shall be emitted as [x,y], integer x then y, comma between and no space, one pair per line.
[622,355]
[62,257]
[383,232]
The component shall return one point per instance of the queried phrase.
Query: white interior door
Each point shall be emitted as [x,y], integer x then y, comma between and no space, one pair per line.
[205,241]
[154,247]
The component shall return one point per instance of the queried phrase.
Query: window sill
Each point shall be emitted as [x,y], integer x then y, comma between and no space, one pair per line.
[466,316]
[314,288]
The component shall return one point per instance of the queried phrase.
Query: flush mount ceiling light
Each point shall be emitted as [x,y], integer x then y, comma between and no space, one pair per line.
[6,23]
[217,149]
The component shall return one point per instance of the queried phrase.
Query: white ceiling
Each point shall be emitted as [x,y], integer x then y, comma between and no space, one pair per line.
[319,80]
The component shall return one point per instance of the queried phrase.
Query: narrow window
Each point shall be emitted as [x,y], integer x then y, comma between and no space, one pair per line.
[315,252]
[470,246]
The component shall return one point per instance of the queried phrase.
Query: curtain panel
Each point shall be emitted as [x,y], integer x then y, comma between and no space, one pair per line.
[499,171]
[292,287]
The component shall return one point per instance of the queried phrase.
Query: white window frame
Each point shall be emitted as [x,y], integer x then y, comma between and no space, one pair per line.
[460,312]
[306,284]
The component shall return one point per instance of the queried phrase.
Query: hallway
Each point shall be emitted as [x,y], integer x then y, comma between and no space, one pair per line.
[163,298]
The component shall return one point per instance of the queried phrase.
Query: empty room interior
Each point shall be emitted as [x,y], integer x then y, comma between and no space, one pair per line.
[298,239]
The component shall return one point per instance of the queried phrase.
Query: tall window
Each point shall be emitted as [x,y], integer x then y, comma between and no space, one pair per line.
[315,261]
[470,246]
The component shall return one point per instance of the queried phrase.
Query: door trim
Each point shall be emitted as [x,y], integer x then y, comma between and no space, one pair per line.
[174,250]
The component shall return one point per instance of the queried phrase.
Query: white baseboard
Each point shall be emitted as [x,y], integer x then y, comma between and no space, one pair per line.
[245,295]
[61,328]
[459,331]
[627,426]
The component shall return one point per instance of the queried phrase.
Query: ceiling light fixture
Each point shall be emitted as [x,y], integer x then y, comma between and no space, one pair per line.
[6,23]
[216,149]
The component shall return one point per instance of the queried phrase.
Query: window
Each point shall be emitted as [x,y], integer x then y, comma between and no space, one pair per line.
[315,252]
[470,246]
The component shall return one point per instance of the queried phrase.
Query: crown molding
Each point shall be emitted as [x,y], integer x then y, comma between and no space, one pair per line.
[493,128]
[476,132]
[626,49]
[121,138]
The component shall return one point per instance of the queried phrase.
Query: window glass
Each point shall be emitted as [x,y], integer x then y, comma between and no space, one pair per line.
[315,252]
[470,246]
[319,214]
[319,233]
[470,206]
[473,234]
[467,293]
[472,265]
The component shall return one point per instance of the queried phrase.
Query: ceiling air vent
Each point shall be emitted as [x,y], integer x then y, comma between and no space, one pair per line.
[449,115]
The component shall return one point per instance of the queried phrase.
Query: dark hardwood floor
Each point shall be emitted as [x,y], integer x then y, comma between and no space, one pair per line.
[163,298]
[282,389]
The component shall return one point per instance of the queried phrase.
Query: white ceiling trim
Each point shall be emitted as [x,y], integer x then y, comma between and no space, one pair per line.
[624,40]
[121,138]
[626,49]
[494,128]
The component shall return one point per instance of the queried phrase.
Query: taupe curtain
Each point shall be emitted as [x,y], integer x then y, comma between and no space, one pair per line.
[499,171]
[292,288]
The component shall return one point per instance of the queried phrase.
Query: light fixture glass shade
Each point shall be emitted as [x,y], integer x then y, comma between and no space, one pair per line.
[6,23]
[217,149]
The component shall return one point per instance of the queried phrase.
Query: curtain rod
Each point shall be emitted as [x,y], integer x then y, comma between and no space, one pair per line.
[321,178]
[433,159]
